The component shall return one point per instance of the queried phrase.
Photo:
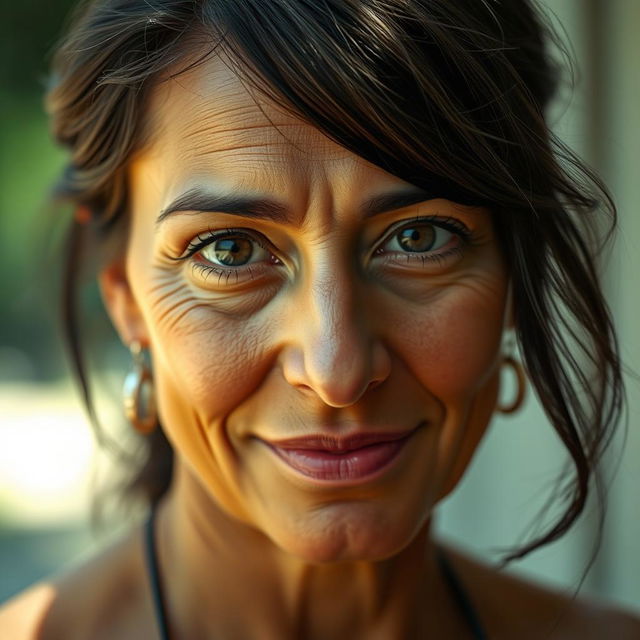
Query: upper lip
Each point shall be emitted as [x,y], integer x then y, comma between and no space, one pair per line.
[335,443]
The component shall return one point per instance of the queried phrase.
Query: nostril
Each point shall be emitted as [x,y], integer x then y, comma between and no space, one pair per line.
[307,389]
[372,385]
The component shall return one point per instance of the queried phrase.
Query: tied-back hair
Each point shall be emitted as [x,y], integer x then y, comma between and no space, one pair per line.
[448,96]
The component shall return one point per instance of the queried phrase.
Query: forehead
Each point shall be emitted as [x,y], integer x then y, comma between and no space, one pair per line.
[210,122]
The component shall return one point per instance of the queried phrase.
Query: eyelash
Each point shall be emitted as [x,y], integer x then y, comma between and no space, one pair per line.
[201,241]
[447,223]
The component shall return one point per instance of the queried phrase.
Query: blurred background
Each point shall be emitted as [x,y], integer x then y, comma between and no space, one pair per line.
[48,458]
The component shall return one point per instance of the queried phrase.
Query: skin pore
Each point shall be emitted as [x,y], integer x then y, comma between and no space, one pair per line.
[285,287]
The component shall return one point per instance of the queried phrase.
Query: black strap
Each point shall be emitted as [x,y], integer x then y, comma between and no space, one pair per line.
[159,604]
[157,594]
[461,597]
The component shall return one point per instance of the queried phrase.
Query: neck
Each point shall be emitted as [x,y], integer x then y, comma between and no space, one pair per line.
[223,578]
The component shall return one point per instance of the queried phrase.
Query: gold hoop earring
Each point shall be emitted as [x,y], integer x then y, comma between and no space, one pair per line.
[138,394]
[521,380]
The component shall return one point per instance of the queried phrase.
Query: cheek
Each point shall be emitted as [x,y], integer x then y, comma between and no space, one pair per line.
[452,345]
[214,361]
[205,349]
[203,372]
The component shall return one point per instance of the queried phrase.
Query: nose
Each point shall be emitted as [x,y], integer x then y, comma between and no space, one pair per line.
[333,350]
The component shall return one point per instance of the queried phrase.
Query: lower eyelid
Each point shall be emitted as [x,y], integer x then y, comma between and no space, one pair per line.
[439,255]
[209,270]
[243,274]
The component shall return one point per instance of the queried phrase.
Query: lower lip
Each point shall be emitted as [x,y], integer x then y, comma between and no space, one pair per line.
[349,467]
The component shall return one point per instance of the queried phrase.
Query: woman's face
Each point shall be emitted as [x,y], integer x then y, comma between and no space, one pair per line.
[288,289]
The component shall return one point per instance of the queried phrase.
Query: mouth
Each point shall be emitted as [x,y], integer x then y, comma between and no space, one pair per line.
[341,460]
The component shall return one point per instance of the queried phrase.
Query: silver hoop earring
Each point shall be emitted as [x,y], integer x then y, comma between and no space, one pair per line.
[521,381]
[138,393]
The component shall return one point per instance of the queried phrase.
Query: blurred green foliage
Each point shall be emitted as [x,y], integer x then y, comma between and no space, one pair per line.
[29,30]
[29,163]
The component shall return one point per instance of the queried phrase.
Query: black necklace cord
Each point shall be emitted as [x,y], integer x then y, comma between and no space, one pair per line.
[461,596]
[155,582]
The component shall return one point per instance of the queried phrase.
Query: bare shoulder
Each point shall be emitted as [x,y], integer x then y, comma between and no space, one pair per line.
[99,599]
[609,622]
[513,607]
[22,617]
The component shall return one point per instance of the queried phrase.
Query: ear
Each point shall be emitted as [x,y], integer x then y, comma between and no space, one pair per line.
[120,302]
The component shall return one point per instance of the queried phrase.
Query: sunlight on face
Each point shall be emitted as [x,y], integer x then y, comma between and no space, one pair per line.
[290,289]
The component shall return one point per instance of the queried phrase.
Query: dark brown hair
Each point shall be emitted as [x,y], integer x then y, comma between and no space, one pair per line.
[449,96]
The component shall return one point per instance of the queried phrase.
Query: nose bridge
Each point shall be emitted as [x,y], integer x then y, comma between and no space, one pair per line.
[337,328]
[339,358]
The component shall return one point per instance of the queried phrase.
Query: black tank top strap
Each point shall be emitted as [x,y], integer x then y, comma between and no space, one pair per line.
[155,582]
[461,596]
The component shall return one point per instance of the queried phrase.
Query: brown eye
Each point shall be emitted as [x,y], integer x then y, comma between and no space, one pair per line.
[417,238]
[230,251]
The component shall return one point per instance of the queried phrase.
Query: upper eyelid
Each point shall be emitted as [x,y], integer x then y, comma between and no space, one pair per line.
[199,242]
[437,220]
[445,222]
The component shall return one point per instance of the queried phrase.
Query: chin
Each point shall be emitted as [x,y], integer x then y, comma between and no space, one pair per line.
[344,534]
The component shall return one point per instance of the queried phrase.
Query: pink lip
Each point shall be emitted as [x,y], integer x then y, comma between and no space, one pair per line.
[342,460]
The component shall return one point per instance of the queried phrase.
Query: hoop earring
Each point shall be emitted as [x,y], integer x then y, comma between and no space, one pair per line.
[138,394]
[521,379]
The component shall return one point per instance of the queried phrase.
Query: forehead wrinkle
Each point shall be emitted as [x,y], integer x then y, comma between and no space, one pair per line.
[255,141]
[209,112]
[213,93]
[208,124]
[220,127]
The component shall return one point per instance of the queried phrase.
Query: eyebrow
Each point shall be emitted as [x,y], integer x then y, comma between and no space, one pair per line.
[198,201]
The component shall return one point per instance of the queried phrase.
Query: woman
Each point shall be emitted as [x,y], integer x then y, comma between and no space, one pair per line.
[316,226]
